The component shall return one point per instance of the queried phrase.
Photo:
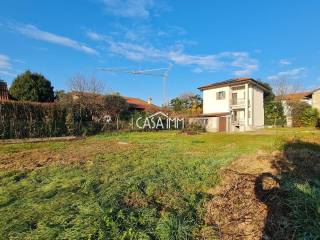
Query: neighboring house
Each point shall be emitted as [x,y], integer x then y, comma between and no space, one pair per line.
[136,104]
[312,98]
[316,99]
[233,105]
[291,98]
[4,95]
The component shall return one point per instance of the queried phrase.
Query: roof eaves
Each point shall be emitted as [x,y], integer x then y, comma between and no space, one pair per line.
[233,82]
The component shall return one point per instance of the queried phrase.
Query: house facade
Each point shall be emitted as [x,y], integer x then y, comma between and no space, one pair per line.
[316,99]
[312,98]
[233,105]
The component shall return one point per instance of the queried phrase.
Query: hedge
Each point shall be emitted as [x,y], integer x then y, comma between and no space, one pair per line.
[31,120]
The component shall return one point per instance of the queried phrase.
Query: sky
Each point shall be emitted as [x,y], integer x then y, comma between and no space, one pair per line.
[205,42]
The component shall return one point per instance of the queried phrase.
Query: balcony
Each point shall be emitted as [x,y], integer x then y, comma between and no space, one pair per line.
[239,122]
[237,103]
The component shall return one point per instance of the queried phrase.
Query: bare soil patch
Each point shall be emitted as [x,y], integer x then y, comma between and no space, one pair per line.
[244,198]
[77,152]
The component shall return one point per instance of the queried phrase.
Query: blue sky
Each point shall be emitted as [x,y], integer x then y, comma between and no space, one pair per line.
[206,41]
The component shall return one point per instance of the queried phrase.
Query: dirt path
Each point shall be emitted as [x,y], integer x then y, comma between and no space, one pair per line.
[241,203]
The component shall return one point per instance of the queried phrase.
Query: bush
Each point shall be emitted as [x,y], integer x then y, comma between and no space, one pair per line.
[303,115]
[274,114]
[194,127]
[115,105]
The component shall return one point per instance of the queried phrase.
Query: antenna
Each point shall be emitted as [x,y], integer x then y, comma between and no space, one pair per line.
[157,72]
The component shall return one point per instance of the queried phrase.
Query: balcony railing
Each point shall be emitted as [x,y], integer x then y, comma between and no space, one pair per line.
[238,103]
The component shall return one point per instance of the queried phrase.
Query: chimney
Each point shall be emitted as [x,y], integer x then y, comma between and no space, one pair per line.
[149,100]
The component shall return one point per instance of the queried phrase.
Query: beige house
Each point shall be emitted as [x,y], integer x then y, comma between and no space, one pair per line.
[312,98]
[233,105]
[316,99]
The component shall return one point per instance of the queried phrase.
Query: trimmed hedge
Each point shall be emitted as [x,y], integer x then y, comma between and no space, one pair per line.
[31,120]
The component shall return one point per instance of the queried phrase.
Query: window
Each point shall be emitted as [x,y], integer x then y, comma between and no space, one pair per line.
[221,95]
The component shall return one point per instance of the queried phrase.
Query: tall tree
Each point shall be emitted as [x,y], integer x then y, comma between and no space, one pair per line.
[273,110]
[31,86]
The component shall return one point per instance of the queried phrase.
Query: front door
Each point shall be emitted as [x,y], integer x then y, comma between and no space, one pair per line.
[222,124]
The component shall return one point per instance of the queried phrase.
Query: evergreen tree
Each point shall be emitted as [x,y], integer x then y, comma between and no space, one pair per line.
[32,87]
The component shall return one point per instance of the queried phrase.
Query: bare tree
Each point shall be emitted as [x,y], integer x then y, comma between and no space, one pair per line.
[80,83]
[284,86]
[95,85]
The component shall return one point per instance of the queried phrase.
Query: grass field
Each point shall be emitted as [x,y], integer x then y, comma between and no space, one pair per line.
[122,186]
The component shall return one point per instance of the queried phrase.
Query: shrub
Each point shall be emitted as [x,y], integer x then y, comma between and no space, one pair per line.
[303,115]
[274,114]
[115,105]
[194,127]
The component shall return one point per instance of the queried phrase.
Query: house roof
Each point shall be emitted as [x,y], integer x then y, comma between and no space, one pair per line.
[316,90]
[140,104]
[294,96]
[235,81]
[134,103]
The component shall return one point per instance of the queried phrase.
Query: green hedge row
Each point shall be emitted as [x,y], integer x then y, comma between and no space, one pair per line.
[28,119]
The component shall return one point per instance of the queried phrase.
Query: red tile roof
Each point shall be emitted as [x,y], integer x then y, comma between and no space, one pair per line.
[137,103]
[294,96]
[134,103]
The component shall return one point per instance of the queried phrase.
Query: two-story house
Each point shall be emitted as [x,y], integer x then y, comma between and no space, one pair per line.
[233,105]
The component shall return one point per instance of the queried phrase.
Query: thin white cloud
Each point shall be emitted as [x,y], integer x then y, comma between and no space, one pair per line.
[4,62]
[33,32]
[7,73]
[240,63]
[293,74]
[95,36]
[5,66]
[243,61]
[129,8]
[284,62]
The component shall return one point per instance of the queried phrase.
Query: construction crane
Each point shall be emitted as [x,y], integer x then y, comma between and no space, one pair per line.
[158,72]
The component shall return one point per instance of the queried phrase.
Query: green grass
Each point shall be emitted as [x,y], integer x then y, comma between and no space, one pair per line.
[13,148]
[154,189]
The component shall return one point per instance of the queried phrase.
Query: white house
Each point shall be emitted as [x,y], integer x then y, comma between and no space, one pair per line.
[233,105]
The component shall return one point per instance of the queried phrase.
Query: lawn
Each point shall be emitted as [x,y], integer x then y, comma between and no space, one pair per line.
[152,185]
